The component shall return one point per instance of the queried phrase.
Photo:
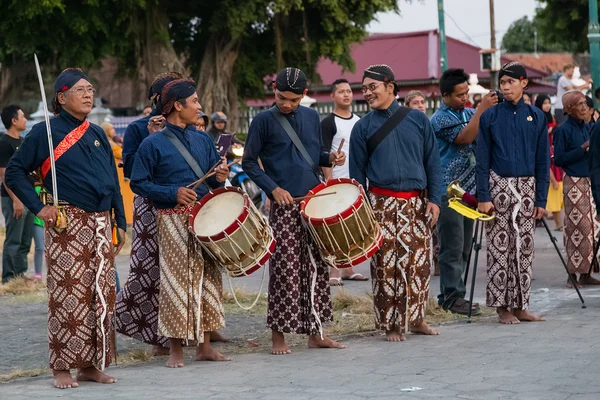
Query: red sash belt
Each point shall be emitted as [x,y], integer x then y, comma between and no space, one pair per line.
[65,144]
[392,193]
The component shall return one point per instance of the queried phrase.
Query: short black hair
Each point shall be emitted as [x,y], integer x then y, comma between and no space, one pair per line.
[452,77]
[597,93]
[589,101]
[9,113]
[333,87]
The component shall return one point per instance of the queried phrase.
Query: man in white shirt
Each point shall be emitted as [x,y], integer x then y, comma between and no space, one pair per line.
[335,127]
[565,83]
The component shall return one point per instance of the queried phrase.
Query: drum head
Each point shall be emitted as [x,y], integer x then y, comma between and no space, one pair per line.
[218,213]
[329,206]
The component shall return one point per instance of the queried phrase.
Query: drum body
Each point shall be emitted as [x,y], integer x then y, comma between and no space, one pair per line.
[230,228]
[342,224]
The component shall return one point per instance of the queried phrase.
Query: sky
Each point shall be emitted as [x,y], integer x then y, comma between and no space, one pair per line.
[466,20]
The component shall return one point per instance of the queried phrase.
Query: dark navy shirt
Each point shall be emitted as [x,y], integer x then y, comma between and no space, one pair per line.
[86,174]
[595,161]
[407,159]
[159,169]
[513,142]
[568,153]
[135,133]
[284,165]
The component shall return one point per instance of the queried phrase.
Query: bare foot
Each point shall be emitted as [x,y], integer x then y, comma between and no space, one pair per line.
[216,336]
[394,336]
[175,355]
[506,317]
[570,285]
[160,350]
[587,279]
[64,380]
[94,375]
[423,328]
[280,347]
[208,353]
[315,342]
[524,315]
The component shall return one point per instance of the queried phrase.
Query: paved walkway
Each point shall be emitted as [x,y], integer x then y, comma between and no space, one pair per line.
[557,359]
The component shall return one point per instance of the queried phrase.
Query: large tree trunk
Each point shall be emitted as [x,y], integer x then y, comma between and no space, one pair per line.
[12,83]
[216,84]
[278,41]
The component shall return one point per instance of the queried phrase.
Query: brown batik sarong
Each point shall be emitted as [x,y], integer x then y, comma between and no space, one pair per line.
[137,302]
[191,291]
[400,270]
[81,291]
[299,295]
[582,225]
[510,241]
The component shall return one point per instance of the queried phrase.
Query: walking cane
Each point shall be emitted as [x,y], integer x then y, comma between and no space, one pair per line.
[594,259]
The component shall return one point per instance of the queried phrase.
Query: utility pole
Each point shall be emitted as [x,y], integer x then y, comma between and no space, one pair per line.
[442,36]
[594,39]
[493,72]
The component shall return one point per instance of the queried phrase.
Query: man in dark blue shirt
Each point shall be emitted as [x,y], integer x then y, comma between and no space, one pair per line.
[137,302]
[456,129]
[571,153]
[190,300]
[513,164]
[294,306]
[405,187]
[80,311]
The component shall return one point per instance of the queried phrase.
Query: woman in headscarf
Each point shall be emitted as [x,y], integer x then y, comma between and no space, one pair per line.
[126,192]
[555,196]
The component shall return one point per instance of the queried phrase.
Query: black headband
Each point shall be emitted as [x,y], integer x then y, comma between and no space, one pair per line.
[291,80]
[68,78]
[513,69]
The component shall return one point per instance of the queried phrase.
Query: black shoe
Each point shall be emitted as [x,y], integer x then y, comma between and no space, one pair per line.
[462,306]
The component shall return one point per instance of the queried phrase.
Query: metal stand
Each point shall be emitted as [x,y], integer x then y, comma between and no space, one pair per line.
[594,257]
[477,245]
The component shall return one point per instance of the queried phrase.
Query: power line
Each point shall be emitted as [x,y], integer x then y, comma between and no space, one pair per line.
[460,29]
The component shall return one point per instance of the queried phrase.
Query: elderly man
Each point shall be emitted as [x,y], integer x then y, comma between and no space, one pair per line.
[80,258]
[571,153]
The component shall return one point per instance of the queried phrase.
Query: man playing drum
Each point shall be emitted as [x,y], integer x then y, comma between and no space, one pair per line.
[299,293]
[190,300]
[395,149]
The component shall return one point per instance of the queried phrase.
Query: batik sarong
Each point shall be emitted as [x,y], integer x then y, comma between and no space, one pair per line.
[582,225]
[299,294]
[81,291]
[137,302]
[510,241]
[191,291]
[400,270]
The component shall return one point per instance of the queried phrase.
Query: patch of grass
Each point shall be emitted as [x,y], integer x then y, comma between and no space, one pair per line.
[135,356]
[22,285]
[40,296]
[23,373]
[245,299]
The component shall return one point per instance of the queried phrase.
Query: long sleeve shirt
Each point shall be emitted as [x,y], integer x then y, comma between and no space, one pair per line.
[159,169]
[458,160]
[513,142]
[568,153]
[283,164]
[86,173]
[595,161]
[135,133]
[407,159]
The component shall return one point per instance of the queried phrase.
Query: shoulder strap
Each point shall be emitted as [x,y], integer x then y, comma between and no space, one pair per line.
[65,144]
[385,129]
[293,136]
[184,152]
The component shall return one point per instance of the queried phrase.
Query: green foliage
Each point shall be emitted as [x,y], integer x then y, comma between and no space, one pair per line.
[520,38]
[564,22]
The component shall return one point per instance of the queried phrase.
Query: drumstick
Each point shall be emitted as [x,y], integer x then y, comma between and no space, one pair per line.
[212,172]
[333,165]
[313,196]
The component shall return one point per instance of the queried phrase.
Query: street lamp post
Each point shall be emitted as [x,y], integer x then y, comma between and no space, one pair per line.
[442,36]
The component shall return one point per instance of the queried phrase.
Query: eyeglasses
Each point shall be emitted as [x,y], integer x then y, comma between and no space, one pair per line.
[81,91]
[371,87]
[201,126]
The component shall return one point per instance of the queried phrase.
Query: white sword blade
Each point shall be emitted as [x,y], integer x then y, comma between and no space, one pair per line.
[49,132]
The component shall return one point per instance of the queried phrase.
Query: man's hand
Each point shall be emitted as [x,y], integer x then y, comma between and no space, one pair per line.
[432,211]
[156,123]
[19,208]
[186,196]
[486,207]
[555,185]
[489,100]
[282,197]
[48,214]
[539,212]
[586,146]
[337,158]
[118,247]
[222,172]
